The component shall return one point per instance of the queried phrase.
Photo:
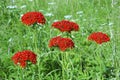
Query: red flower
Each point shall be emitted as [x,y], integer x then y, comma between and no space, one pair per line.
[30,18]
[66,26]
[23,57]
[62,43]
[99,37]
[54,41]
[65,43]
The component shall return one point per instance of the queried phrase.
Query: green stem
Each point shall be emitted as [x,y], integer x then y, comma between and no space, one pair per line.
[100,59]
[35,37]
[65,70]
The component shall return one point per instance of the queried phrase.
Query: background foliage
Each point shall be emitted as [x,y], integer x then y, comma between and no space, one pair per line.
[87,61]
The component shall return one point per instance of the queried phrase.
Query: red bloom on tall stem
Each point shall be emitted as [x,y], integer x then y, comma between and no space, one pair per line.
[54,41]
[24,56]
[66,26]
[99,37]
[30,18]
[62,43]
[65,43]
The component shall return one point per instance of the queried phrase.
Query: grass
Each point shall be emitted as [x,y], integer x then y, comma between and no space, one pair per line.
[87,61]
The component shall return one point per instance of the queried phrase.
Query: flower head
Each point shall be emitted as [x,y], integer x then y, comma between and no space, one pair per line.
[62,43]
[66,26]
[65,43]
[99,37]
[54,41]
[24,56]
[30,18]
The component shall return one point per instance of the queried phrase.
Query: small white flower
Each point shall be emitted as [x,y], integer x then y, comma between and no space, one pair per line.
[10,40]
[24,6]
[72,36]
[51,3]
[79,12]
[67,16]
[55,20]
[12,7]
[110,23]
[49,14]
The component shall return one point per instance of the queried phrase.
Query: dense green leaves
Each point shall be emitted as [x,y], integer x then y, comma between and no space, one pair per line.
[87,61]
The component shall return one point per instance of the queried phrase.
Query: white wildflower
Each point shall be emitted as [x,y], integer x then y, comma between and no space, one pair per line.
[55,20]
[12,7]
[79,12]
[67,16]
[110,24]
[10,40]
[23,6]
[49,14]
[51,3]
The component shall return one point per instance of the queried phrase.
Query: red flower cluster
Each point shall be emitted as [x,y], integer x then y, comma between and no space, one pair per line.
[30,18]
[66,26]
[54,41]
[22,57]
[99,37]
[62,43]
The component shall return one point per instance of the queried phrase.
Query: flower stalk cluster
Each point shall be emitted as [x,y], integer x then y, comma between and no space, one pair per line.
[61,42]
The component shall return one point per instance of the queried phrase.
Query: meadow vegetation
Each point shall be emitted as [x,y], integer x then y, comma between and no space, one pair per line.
[86,61]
